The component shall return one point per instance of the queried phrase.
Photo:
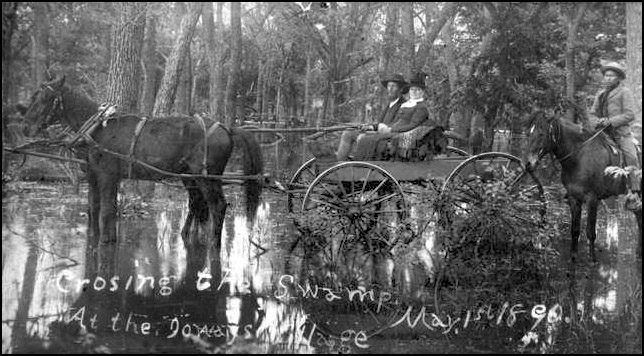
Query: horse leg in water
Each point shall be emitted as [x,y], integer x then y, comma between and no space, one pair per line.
[108,189]
[196,250]
[591,223]
[197,208]
[214,196]
[575,224]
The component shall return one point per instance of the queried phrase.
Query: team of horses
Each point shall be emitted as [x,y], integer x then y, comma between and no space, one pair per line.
[126,146]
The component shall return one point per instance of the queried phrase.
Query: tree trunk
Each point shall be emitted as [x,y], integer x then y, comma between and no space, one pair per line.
[264,109]
[124,75]
[236,53]
[215,48]
[175,64]
[388,48]
[478,128]
[307,84]
[41,44]
[573,17]
[194,89]
[125,66]
[456,120]
[634,61]
[260,84]
[184,87]
[149,66]
[409,40]
[9,25]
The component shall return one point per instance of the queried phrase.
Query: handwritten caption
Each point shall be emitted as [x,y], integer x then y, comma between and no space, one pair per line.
[287,289]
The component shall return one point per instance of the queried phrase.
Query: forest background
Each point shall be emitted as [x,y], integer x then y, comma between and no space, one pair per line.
[489,64]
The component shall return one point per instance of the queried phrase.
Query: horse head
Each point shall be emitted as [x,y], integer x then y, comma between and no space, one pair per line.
[542,137]
[46,105]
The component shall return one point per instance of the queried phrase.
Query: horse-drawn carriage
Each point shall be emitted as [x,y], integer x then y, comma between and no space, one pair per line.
[365,204]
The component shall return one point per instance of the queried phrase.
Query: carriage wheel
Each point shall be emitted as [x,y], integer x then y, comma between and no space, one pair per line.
[468,186]
[353,212]
[298,185]
[466,183]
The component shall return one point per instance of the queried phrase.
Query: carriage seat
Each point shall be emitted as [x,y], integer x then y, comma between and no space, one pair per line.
[419,144]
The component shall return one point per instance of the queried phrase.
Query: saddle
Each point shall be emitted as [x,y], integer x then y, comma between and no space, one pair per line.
[613,147]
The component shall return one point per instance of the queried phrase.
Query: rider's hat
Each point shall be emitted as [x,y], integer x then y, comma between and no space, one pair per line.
[615,67]
[398,78]
[418,80]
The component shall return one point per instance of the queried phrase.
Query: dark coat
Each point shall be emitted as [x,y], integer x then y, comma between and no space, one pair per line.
[389,114]
[410,117]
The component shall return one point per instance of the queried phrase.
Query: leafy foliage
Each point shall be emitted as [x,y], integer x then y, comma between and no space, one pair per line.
[521,68]
[491,253]
[494,253]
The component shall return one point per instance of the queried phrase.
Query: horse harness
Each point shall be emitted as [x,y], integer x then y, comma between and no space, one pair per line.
[106,112]
[206,134]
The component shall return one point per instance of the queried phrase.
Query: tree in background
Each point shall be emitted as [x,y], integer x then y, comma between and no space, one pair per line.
[125,66]
[634,60]
[234,74]
[176,63]
[149,65]
[494,64]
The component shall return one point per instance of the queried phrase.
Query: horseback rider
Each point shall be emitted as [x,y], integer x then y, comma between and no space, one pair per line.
[396,86]
[614,108]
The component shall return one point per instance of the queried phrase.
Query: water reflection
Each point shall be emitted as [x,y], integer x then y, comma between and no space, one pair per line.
[44,240]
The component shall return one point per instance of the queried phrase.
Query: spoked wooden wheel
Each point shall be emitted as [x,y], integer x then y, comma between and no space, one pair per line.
[466,185]
[299,184]
[354,212]
[473,188]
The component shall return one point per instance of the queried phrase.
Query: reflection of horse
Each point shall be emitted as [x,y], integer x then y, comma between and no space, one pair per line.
[180,145]
[583,157]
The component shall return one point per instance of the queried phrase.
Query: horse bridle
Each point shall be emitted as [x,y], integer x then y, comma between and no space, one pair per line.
[555,139]
[57,104]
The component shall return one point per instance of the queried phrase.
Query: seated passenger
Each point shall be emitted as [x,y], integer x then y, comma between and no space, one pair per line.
[396,87]
[412,114]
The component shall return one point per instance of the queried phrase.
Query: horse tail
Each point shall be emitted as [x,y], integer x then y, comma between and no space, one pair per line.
[253,165]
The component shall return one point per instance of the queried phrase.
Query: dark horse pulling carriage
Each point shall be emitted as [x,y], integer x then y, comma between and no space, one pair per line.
[129,146]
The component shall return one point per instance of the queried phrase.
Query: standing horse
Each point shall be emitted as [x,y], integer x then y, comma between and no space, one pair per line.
[179,145]
[583,157]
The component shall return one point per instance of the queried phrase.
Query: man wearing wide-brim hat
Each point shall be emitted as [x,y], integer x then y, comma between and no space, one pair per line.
[396,86]
[614,108]
[412,114]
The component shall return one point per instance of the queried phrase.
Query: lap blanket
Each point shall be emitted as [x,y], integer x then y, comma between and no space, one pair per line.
[415,144]
[372,146]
